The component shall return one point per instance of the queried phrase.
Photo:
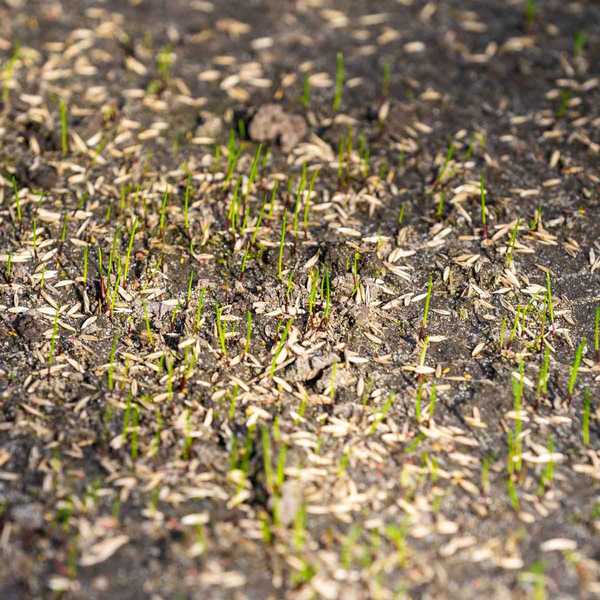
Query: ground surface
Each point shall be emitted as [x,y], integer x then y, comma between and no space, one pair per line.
[357,361]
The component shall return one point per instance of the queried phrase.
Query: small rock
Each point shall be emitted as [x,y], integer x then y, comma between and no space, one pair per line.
[29,515]
[272,124]
[305,369]
[29,328]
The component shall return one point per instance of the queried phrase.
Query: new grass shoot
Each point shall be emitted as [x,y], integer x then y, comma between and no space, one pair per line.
[187,195]
[8,71]
[544,374]
[221,329]
[574,371]
[530,13]
[64,127]
[163,212]
[311,187]
[432,401]
[129,249]
[340,76]
[280,345]
[585,419]
[199,310]
[425,318]
[518,386]
[306,91]
[382,413]
[548,472]
[282,244]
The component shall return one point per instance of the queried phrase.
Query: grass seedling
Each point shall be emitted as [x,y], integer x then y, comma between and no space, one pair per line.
[188,440]
[199,310]
[530,13]
[9,267]
[548,472]
[233,402]
[306,91]
[512,243]
[129,249]
[187,194]
[575,367]
[432,401]
[449,156]
[221,329]
[382,413]
[585,420]
[282,245]
[397,535]
[130,426]
[8,73]
[401,214]
[280,468]
[518,387]
[164,61]
[280,346]
[536,576]
[425,319]
[512,494]
[163,213]
[311,187]
[544,375]
[339,81]
[355,275]
[579,42]
[299,194]
[483,197]
[440,208]
[64,127]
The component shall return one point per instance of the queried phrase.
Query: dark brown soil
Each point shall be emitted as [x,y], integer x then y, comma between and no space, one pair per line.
[299,299]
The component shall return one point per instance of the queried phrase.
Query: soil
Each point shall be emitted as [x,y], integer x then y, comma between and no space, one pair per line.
[299,299]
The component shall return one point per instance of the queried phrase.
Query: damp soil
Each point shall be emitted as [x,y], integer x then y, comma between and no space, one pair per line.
[299,299]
